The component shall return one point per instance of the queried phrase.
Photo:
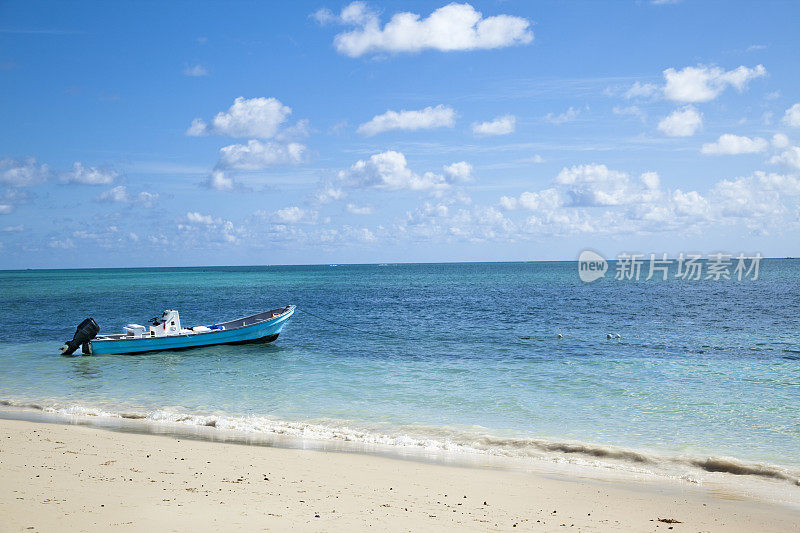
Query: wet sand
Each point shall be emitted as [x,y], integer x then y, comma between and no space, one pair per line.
[76,478]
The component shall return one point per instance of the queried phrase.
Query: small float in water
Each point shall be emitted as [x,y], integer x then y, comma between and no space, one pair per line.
[166,333]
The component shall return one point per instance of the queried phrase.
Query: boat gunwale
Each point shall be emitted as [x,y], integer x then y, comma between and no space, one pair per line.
[288,310]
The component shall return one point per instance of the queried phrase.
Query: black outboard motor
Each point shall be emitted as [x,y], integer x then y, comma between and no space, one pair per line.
[87,330]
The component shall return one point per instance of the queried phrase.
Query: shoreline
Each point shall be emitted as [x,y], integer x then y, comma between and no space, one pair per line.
[572,461]
[75,477]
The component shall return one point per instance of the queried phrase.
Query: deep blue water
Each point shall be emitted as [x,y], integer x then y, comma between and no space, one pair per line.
[446,352]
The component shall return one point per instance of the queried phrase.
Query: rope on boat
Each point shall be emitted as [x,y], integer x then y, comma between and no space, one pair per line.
[348,326]
[390,336]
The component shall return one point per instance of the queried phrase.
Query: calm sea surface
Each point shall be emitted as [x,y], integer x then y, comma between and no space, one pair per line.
[448,355]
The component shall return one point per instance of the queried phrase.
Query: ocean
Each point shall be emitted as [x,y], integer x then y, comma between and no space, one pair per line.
[703,380]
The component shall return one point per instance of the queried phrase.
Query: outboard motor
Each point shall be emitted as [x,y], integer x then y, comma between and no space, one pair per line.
[87,330]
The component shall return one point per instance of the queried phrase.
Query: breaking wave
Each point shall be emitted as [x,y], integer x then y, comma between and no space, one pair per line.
[446,440]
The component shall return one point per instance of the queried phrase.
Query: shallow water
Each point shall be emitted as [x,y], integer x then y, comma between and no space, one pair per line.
[450,356]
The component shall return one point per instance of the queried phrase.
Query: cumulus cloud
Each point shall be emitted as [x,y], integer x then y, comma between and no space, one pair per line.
[359,210]
[328,193]
[780,140]
[117,194]
[754,197]
[704,83]
[120,194]
[23,172]
[789,158]
[210,227]
[220,180]
[257,155]
[293,215]
[195,71]
[197,218]
[792,116]
[567,116]
[89,175]
[458,172]
[642,90]
[444,221]
[728,144]
[597,185]
[498,126]
[389,171]
[449,28]
[682,122]
[632,110]
[258,118]
[61,244]
[593,199]
[544,200]
[431,117]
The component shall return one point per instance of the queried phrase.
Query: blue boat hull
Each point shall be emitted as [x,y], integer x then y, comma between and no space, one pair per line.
[265,331]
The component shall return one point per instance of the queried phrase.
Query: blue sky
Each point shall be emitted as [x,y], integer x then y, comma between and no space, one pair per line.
[139,134]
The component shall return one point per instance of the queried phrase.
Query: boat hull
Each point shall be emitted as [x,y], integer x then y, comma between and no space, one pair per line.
[266,331]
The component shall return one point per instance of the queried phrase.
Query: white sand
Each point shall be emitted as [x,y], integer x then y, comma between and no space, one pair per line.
[75,478]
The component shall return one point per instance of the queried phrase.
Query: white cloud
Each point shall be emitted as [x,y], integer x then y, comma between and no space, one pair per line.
[148,199]
[116,194]
[597,185]
[197,218]
[755,197]
[12,229]
[389,171]
[223,230]
[23,172]
[431,117]
[294,215]
[728,144]
[642,90]
[632,110]
[449,28]
[442,221]
[328,193]
[63,244]
[195,70]
[498,126]
[780,140]
[458,172]
[790,158]
[356,210]
[255,117]
[567,116]
[6,209]
[704,83]
[792,116]
[120,194]
[544,200]
[257,155]
[89,175]
[219,180]
[682,122]
[324,16]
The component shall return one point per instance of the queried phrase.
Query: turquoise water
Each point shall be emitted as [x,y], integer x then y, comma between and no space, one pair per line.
[456,356]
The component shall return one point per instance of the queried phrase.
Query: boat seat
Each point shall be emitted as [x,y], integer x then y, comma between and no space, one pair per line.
[135,329]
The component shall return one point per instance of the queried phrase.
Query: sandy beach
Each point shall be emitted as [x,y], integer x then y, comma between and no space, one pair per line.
[76,478]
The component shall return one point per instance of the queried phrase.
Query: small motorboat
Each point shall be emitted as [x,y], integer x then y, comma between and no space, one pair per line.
[166,333]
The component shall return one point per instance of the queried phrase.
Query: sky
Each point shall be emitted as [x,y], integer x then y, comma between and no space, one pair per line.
[249,133]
